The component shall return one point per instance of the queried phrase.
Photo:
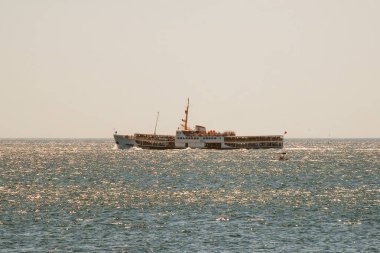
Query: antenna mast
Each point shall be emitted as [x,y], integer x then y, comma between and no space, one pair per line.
[186,114]
[155,127]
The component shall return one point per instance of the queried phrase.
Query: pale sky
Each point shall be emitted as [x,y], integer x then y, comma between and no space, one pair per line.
[83,68]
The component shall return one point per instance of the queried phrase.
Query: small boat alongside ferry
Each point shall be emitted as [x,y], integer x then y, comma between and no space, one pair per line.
[198,137]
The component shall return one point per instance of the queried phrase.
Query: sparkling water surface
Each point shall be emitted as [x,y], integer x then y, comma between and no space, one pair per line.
[87,196]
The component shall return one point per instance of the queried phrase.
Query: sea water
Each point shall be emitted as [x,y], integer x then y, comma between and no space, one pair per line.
[87,196]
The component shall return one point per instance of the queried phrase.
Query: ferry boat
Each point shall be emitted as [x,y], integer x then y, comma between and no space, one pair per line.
[198,137]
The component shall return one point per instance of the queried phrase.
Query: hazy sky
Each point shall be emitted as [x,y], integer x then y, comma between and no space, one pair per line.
[82,68]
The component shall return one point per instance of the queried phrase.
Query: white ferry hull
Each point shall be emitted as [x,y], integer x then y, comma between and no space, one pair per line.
[124,141]
[182,141]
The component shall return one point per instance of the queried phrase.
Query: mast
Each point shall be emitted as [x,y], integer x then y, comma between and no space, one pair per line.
[186,116]
[155,127]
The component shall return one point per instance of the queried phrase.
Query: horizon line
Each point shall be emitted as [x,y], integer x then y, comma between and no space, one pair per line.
[89,138]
